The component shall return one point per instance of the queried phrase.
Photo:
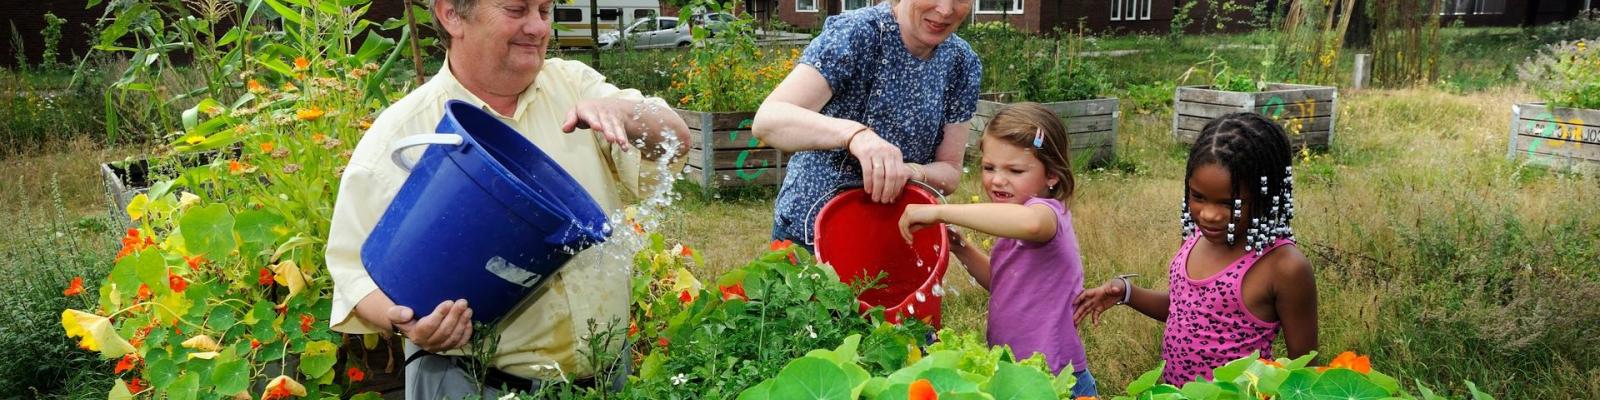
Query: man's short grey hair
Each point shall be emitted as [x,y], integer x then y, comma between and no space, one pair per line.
[463,8]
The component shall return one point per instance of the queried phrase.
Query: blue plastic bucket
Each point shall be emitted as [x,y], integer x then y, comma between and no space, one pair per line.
[484,216]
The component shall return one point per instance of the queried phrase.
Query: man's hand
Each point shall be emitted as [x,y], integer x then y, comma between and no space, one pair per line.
[448,327]
[1092,302]
[606,117]
[883,170]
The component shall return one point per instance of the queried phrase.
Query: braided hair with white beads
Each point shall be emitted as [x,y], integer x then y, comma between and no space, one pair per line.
[1256,153]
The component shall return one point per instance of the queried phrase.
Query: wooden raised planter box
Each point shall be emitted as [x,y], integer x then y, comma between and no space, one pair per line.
[724,153]
[1555,136]
[1307,112]
[1091,124]
[126,179]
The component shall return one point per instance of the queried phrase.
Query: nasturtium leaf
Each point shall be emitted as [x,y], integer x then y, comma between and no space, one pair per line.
[187,387]
[811,378]
[152,270]
[1064,382]
[173,306]
[125,273]
[262,316]
[159,368]
[1346,384]
[208,230]
[1146,381]
[1298,385]
[1230,371]
[136,207]
[1200,390]
[318,358]
[231,376]
[1012,381]
[762,391]
[222,319]
[1427,394]
[1388,383]
[367,396]
[1299,363]
[257,231]
[119,391]
[1477,394]
[948,380]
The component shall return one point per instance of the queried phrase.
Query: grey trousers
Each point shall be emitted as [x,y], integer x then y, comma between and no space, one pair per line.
[432,377]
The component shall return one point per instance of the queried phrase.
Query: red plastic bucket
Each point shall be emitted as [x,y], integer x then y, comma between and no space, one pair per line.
[861,238]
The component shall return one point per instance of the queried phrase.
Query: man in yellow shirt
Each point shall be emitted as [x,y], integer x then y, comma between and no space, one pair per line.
[496,59]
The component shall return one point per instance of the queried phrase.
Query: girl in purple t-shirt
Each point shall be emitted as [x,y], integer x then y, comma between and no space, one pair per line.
[1034,271]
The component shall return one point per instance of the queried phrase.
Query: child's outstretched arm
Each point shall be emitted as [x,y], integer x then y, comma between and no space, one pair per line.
[1092,302]
[1295,296]
[1034,223]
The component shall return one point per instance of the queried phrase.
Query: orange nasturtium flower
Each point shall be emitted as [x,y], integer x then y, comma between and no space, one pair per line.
[195,262]
[301,63]
[136,385]
[127,363]
[686,252]
[733,292]
[266,147]
[176,282]
[685,297]
[662,342]
[144,292]
[254,87]
[355,374]
[309,114]
[75,288]
[922,389]
[1349,360]
[283,387]
[305,323]
[633,329]
[265,277]
[781,244]
[1271,362]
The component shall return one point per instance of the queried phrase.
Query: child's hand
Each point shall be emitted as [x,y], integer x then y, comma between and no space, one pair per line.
[1092,302]
[916,217]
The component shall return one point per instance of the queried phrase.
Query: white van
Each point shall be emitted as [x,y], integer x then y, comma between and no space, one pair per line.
[573,19]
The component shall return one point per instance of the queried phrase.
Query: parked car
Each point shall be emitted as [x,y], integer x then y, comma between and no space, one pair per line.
[649,33]
[663,32]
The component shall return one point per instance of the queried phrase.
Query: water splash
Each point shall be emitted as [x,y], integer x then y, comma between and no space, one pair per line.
[921,297]
[938,290]
[633,223]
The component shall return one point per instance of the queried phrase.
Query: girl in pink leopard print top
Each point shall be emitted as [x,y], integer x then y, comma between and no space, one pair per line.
[1238,279]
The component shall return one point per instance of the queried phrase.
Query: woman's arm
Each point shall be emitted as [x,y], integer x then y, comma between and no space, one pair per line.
[944,173]
[789,121]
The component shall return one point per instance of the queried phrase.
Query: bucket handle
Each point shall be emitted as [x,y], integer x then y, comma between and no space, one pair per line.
[400,146]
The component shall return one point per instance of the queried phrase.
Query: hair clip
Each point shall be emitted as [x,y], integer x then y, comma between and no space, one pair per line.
[1038,138]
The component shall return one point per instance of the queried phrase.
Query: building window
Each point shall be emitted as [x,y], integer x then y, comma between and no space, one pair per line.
[1474,7]
[854,4]
[999,6]
[805,5]
[643,13]
[569,15]
[1130,10]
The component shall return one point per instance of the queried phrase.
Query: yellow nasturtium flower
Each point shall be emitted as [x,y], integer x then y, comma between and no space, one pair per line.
[95,333]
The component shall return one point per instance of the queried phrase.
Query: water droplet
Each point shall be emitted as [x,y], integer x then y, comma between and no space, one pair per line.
[912,308]
[921,297]
[938,290]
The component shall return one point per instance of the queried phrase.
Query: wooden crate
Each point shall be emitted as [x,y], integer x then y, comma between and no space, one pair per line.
[1091,124]
[1555,136]
[1306,112]
[724,153]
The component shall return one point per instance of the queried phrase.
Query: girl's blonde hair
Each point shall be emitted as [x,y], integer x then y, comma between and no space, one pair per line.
[1019,124]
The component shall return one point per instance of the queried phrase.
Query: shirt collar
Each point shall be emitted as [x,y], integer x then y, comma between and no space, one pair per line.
[455,90]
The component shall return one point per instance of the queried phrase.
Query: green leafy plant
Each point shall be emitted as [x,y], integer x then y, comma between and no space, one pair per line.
[1313,35]
[728,72]
[1060,72]
[1565,74]
[218,289]
[52,39]
[1405,41]
[1223,76]
[696,340]
[957,367]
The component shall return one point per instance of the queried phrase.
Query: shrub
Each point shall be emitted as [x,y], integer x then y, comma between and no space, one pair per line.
[1565,74]
[728,72]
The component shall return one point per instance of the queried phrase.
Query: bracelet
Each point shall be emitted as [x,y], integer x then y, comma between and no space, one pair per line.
[1127,288]
[853,135]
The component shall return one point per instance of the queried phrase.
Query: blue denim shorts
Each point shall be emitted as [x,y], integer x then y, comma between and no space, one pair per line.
[1086,385]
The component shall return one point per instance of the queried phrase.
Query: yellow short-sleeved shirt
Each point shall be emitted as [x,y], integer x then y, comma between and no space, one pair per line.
[546,330]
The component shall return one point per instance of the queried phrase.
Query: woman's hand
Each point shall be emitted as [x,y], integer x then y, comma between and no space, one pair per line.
[883,168]
[916,217]
[1092,302]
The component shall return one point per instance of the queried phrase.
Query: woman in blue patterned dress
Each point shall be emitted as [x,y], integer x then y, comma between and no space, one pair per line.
[881,97]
